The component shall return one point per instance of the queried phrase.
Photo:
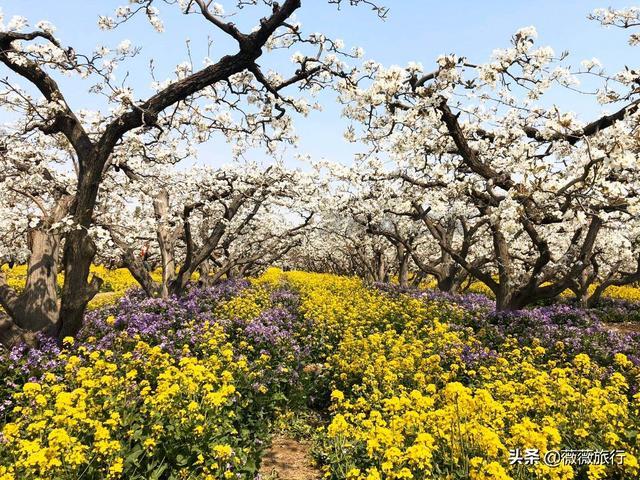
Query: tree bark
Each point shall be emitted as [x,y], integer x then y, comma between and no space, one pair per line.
[403,265]
[381,267]
[205,274]
[76,291]
[37,307]
[80,250]
[166,241]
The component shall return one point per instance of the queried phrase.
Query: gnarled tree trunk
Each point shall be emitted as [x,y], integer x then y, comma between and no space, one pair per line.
[166,241]
[37,307]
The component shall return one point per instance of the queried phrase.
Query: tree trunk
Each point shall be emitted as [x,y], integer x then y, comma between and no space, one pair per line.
[11,334]
[76,292]
[381,267]
[504,291]
[445,284]
[453,279]
[593,300]
[580,292]
[79,249]
[140,273]
[209,278]
[403,265]
[166,241]
[502,300]
[418,278]
[37,307]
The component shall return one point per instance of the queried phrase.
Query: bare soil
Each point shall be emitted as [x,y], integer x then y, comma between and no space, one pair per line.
[624,327]
[288,459]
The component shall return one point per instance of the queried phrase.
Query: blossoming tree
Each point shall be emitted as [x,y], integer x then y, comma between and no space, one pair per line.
[537,189]
[212,221]
[232,95]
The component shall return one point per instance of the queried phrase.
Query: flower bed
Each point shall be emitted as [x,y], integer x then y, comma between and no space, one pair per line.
[155,389]
[439,386]
[412,384]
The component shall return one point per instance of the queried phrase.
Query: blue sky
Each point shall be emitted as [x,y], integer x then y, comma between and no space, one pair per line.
[416,30]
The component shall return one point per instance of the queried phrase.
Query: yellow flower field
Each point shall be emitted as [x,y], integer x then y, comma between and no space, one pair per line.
[411,387]
[405,405]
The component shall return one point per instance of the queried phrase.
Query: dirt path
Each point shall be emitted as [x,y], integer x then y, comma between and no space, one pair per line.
[624,327]
[288,459]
